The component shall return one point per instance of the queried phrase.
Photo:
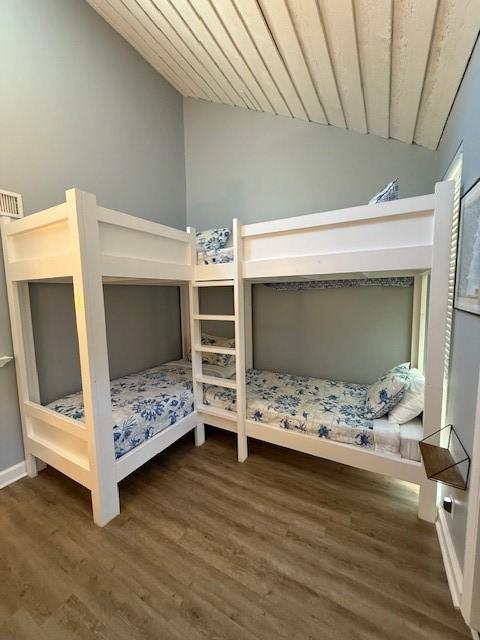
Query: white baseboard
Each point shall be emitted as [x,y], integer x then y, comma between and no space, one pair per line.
[12,474]
[450,560]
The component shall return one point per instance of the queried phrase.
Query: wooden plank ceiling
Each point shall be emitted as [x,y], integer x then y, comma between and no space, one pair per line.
[386,67]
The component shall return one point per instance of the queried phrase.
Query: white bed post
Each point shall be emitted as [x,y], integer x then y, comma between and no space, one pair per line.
[23,350]
[185,319]
[436,333]
[194,336]
[92,344]
[248,325]
[239,308]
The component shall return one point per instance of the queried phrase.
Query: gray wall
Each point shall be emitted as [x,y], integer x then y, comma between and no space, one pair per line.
[312,333]
[463,125]
[143,330]
[256,166]
[80,107]
[353,335]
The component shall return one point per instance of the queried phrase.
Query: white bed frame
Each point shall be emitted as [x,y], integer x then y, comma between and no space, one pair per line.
[87,244]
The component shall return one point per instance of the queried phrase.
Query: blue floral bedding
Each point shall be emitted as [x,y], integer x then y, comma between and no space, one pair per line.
[215,256]
[322,408]
[143,404]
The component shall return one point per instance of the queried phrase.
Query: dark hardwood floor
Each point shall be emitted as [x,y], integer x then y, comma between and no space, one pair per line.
[284,546]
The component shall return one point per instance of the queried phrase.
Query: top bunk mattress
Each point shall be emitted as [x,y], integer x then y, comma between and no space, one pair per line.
[143,404]
[323,408]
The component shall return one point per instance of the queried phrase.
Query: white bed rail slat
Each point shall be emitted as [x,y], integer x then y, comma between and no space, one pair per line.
[127,221]
[52,455]
[387,260]
[211,316]
[216,419]
[375,461]
[217,382]
[38,220]
[211,272]
[160,441]
[59,266]
[213,349]
[56,420]
[419,205]
[127,267]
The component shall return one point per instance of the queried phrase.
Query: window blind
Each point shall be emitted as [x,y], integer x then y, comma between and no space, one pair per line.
[454,172]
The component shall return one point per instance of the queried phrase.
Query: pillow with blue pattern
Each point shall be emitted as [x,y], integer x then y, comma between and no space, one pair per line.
[216,359]
[389,192]
[386,392]
[212,239]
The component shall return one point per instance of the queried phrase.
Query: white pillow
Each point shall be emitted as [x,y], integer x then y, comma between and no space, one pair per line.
[411,405]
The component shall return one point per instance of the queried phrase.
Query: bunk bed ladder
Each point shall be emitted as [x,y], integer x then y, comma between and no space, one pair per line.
[230,420]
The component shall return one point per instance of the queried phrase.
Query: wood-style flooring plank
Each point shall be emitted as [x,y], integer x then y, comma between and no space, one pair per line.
[284,546]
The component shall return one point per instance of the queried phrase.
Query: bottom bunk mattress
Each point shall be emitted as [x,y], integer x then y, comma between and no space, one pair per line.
[322,408]
[143,404]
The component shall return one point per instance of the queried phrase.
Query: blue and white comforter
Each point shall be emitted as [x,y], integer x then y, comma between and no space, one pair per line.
[215,256]
[143,404]
[323,408]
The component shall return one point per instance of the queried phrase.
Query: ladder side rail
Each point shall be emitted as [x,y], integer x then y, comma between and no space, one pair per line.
[239,310]
[195,338]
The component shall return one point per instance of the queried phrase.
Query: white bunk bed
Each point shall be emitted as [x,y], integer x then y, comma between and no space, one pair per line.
[90,244]
[86,244]
[403,237]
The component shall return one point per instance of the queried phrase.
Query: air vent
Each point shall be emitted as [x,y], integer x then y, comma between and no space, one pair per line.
[11,204]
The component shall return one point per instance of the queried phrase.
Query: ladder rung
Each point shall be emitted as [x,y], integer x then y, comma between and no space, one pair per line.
[216,411]
[214,283]
[217,382]
[202,316]
[213,349]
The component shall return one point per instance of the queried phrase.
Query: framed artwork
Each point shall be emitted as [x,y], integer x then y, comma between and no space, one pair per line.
[467,280]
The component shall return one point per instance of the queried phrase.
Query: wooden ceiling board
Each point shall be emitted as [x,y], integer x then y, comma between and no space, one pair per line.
[212,21]
[413,24]
[187,14]
[386,67]
[126,31]
[239,34]
[311,34]
[198,49]
[339,21]
[262,37]
[156,40]
[456,31]
[281,26]
[374,23]
[216,88]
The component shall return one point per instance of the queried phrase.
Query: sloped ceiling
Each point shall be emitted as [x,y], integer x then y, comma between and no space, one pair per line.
[386,67]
